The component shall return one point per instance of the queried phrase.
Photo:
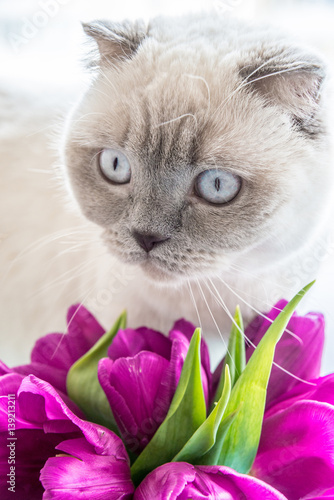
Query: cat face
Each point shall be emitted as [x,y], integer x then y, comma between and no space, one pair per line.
[194,151]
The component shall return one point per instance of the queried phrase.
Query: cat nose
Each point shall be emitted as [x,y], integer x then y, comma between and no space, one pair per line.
[148,241]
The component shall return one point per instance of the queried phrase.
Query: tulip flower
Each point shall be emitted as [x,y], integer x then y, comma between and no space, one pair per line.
[54,354]
[140,376]
[296,451]
[327,495]
[83,473]
[44,422]
[180,480]
[298,352]
[130,377]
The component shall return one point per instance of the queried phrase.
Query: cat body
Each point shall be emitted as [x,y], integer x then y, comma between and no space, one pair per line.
[177,98]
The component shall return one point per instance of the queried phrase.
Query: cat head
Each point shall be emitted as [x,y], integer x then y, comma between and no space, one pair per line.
[200,143]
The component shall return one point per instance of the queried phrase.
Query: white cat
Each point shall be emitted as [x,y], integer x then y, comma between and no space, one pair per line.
[202,149]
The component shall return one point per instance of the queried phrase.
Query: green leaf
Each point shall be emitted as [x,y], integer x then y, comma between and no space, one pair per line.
[212,456]
[186,413]
[82,383]
[242,439]
[205,436]
[236,353]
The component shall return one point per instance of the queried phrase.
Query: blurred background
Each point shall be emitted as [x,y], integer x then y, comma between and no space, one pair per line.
[47,252]
[41,39]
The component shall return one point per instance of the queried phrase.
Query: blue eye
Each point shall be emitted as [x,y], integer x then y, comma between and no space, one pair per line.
[217,186]
[115,166]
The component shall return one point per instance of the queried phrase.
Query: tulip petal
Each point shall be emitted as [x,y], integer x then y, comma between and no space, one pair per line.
[85,474]
[130,342]
[327,495]
[180,423]
[180,346]
[105,450]
[132,386]
[297,443]
[54,354]
[83,329]
[24,409]
[166,481]
[56,410]
[321,390]
[48,363]
[30,444]
[43,420]
[187,329]
[299,353]
[182,481]
[32,448]
[4,369]
[179,349]
[82,382]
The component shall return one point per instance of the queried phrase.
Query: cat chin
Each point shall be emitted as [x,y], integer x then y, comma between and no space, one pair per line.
[153,271]
[160,276]
[157,273]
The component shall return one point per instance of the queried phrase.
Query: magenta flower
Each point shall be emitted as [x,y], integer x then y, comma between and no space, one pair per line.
[299,353]
[31,444]
[183,481]
[59,455]
[329,495]
[83,473]
[54,354]
[43,422]
[140,377]
[296,452]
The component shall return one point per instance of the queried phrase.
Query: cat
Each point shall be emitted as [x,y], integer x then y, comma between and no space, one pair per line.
[194,72]
[202,150]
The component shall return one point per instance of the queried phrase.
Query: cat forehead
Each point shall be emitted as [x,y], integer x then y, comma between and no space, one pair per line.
[166,118]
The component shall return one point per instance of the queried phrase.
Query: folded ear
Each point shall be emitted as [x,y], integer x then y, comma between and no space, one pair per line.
[116,41]
[293,82]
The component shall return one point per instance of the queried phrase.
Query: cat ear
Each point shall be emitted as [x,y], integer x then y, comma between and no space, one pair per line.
[294,84]
[116,41]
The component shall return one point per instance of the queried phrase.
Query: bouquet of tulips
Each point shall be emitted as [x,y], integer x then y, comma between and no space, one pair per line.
[134,414]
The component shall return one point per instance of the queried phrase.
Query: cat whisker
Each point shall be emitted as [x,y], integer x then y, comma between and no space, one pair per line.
[82,268]
[201,78]
[256,310]
[261,299]
[91,113]
[254,346]
[69,323]
[104,75]
[76,247]
[210,312]
[265,281]
[294,67]
[195,305]
[178,118]
[307,382]
[94,157]
[40,171]
[221,302]
[40,243]
[41,130]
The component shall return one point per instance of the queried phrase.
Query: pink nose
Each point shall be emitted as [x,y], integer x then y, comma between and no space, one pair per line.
[148,241]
